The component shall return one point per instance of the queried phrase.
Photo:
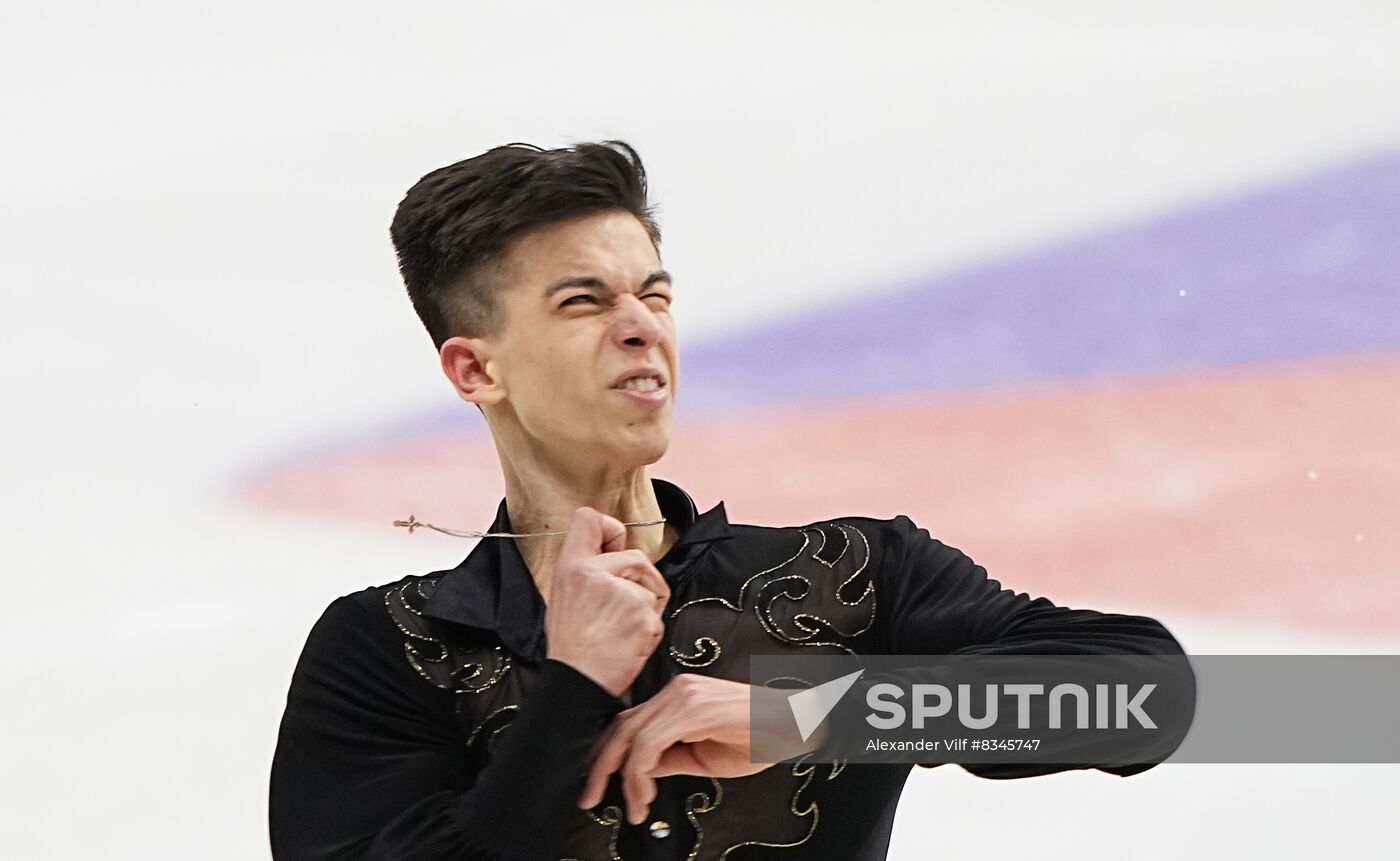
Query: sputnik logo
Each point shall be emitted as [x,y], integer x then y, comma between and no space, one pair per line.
[811,706]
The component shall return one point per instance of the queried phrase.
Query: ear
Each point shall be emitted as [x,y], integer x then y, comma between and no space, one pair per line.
[465,362]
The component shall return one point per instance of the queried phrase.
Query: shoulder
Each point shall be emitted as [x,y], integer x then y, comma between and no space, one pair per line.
[856,549]
[846,536]
[382,608]
[360,666]
[391,623]
[377,624]
[356,625]
[894,550]
[377,638]
[873,526]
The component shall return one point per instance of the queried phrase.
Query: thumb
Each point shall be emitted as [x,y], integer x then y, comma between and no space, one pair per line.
[590,532]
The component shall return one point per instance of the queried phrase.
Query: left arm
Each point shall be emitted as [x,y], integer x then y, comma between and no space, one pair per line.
[936,601]
[939,602]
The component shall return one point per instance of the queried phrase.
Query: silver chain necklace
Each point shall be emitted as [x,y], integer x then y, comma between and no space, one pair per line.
[411,523]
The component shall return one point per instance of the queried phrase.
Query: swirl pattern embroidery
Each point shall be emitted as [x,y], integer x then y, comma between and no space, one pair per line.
[820,597]
[468,669]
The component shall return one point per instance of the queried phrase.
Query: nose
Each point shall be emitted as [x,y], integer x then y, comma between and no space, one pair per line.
[635,324]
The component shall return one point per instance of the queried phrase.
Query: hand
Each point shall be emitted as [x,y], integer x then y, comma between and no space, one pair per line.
[696,724]
[605,602]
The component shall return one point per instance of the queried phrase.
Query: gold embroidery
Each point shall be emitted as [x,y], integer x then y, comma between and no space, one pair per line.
[798,770]
[611,817]
[805,629]
[492,718]
[463,669]
[703,645]
[693,805]
[774,595]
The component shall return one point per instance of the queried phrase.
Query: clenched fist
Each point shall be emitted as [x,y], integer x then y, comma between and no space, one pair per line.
[603,616]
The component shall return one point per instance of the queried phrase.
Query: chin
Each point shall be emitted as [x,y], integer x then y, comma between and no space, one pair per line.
[647,448]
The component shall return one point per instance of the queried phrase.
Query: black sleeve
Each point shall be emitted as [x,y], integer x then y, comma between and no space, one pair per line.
[937,601]
[370,765]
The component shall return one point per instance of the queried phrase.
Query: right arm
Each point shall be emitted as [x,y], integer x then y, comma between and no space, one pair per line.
[371,766]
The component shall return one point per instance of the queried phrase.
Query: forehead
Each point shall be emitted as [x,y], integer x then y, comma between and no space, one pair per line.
[610,245]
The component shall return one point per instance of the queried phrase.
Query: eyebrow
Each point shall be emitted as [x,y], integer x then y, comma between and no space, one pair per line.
[593,282]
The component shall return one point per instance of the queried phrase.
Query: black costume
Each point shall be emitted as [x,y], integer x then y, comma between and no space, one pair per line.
[424,722]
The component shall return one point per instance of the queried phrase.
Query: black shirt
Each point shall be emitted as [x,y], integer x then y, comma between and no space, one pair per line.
[423,720]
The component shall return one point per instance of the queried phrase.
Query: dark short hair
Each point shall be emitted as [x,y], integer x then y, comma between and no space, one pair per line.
[458,221]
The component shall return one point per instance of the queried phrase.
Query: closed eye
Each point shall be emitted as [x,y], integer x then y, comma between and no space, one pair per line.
[592,298]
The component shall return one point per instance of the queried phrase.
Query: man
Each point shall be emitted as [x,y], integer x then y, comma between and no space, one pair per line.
[575,687]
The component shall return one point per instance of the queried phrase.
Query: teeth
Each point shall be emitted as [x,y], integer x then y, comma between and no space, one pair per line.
[645,384]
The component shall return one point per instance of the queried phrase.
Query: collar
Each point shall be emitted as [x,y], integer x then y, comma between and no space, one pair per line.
[493,590]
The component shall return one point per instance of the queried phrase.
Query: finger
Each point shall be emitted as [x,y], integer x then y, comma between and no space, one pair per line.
[589,532]
[614,535]
[609,759]
[657,604]
[597,780]
[640,792]
[634,565]
[638,786]
[659,728]
[612,752]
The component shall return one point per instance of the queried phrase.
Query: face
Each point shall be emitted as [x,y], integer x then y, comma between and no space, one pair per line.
[586,303]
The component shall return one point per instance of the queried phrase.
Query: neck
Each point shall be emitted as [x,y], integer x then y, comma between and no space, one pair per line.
[545,502]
